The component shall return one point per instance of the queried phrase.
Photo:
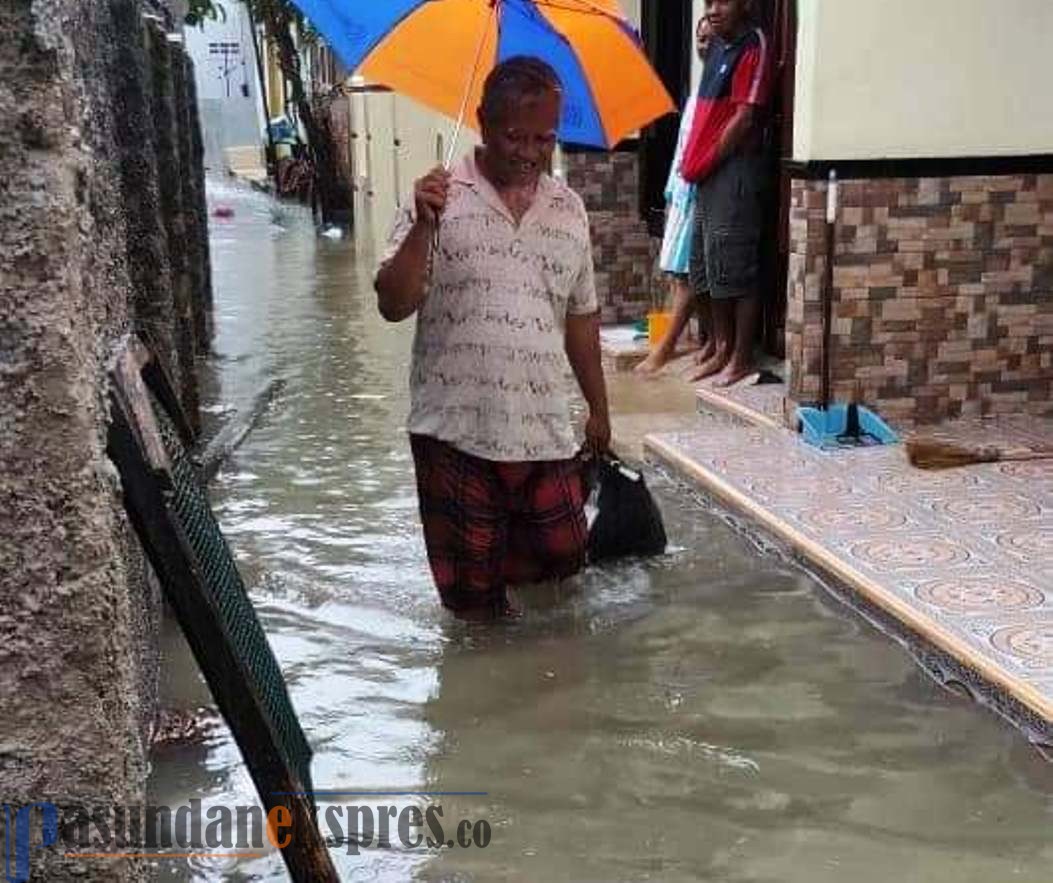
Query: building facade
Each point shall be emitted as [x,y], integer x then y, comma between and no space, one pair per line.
[933,117]
[228,89]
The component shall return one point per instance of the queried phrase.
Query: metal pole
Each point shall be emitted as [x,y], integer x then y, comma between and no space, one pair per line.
[828,289]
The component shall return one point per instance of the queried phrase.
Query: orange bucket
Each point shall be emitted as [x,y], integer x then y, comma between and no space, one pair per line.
[657,326]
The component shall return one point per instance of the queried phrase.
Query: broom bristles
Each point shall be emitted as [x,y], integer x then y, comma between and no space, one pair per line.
[926,453]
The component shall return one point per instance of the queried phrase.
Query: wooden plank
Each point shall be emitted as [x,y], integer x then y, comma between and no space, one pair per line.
[159,382]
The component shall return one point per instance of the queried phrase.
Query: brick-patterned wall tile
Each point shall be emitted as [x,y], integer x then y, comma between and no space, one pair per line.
[943,295]
[623,251]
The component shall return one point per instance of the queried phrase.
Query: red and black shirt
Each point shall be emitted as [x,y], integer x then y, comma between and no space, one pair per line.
[734,74]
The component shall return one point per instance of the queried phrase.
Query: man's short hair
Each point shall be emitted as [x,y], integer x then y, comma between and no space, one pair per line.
[515,78]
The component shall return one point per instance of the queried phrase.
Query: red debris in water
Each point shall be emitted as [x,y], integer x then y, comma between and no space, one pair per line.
[222,211]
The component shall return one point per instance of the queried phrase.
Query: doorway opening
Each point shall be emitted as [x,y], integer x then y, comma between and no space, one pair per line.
[668,32]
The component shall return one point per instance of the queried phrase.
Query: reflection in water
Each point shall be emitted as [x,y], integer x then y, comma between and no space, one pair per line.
[710,715]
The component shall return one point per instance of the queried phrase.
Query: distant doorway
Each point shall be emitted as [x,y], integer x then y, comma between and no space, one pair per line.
[668,28]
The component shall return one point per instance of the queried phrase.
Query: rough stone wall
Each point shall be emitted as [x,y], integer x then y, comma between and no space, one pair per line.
[84,260]
[166,78]
[623,251]
[942,300]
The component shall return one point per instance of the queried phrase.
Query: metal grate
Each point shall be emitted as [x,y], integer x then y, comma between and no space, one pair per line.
[221,579]
[150,441]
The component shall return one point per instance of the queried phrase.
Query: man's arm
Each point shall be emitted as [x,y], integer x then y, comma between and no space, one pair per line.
[738,130]
[583,351]
[402,281]
[750,88]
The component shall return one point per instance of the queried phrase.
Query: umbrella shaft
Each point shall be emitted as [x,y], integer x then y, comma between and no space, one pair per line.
[452,150]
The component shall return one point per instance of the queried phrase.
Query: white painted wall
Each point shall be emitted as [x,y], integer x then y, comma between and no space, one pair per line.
[923,78]
[385,172]
[631,8]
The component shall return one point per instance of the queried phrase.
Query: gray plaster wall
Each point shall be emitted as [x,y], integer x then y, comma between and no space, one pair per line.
[86,240]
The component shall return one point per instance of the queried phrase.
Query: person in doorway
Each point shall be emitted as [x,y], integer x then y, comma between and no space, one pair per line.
[675,256]
[495,260]
[723,157]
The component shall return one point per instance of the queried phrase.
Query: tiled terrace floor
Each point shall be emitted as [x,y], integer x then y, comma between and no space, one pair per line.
[962,558]
[762,404]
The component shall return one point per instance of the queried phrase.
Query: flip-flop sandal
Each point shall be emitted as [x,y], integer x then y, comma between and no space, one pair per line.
[763,377]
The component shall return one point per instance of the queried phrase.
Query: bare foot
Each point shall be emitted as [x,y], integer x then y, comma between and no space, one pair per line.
[708,368]
[654,363]
[733,373]
[707,352]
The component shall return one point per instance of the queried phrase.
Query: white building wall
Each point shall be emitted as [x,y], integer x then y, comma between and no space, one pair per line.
[227,85]
[923,78]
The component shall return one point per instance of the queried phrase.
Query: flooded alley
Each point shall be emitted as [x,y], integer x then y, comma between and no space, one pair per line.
[710,715]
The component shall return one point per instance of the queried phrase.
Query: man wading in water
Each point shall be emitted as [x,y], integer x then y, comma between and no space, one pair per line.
[495,260]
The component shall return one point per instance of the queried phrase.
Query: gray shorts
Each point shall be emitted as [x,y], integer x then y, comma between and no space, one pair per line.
[729,213]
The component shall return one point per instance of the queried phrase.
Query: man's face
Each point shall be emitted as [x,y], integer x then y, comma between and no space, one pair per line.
[703,35]
[726,16]
[520,141]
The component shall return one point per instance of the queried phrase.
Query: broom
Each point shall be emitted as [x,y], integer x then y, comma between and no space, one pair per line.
[928,453]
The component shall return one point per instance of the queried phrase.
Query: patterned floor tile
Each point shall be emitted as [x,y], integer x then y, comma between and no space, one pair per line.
[1027,543]
[977,593]
[985,507]
[1025,644]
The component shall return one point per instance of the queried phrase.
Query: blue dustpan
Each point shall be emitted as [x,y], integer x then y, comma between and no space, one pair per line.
[844,426]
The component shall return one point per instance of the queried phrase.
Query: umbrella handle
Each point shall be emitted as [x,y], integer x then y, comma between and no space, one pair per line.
[452,149]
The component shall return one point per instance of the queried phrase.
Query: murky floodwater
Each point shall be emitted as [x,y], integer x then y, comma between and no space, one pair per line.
[711,715]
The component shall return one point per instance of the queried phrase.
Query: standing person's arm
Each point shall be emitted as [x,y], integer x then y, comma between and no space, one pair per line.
[402,281]
[737,131]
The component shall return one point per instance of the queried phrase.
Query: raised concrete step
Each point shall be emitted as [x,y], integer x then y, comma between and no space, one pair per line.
[959,562]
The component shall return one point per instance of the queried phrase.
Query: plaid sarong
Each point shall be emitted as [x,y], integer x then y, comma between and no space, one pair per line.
[489,524]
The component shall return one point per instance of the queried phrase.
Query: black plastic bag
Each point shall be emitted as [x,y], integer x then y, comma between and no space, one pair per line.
[627,520]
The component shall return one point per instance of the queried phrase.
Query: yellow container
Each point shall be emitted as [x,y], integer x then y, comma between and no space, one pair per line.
[657,326]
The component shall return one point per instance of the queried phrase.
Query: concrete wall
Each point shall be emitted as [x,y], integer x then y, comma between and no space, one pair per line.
[392,141]
[934,79]
[85,257]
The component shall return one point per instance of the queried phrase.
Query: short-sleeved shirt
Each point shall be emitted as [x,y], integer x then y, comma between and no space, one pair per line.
[490,374]
[734,74]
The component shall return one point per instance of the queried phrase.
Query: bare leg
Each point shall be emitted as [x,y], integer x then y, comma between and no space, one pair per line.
[740,364]
[723,312]
[705,320]
[683,303]
[707,337]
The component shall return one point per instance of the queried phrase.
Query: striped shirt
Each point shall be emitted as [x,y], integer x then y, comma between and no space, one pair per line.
[490,375]
[735,74]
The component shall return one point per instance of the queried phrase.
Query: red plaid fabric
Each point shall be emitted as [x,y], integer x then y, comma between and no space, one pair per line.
[489,524]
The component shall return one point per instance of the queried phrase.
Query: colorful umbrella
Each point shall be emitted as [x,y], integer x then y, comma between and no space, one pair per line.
[440,51]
